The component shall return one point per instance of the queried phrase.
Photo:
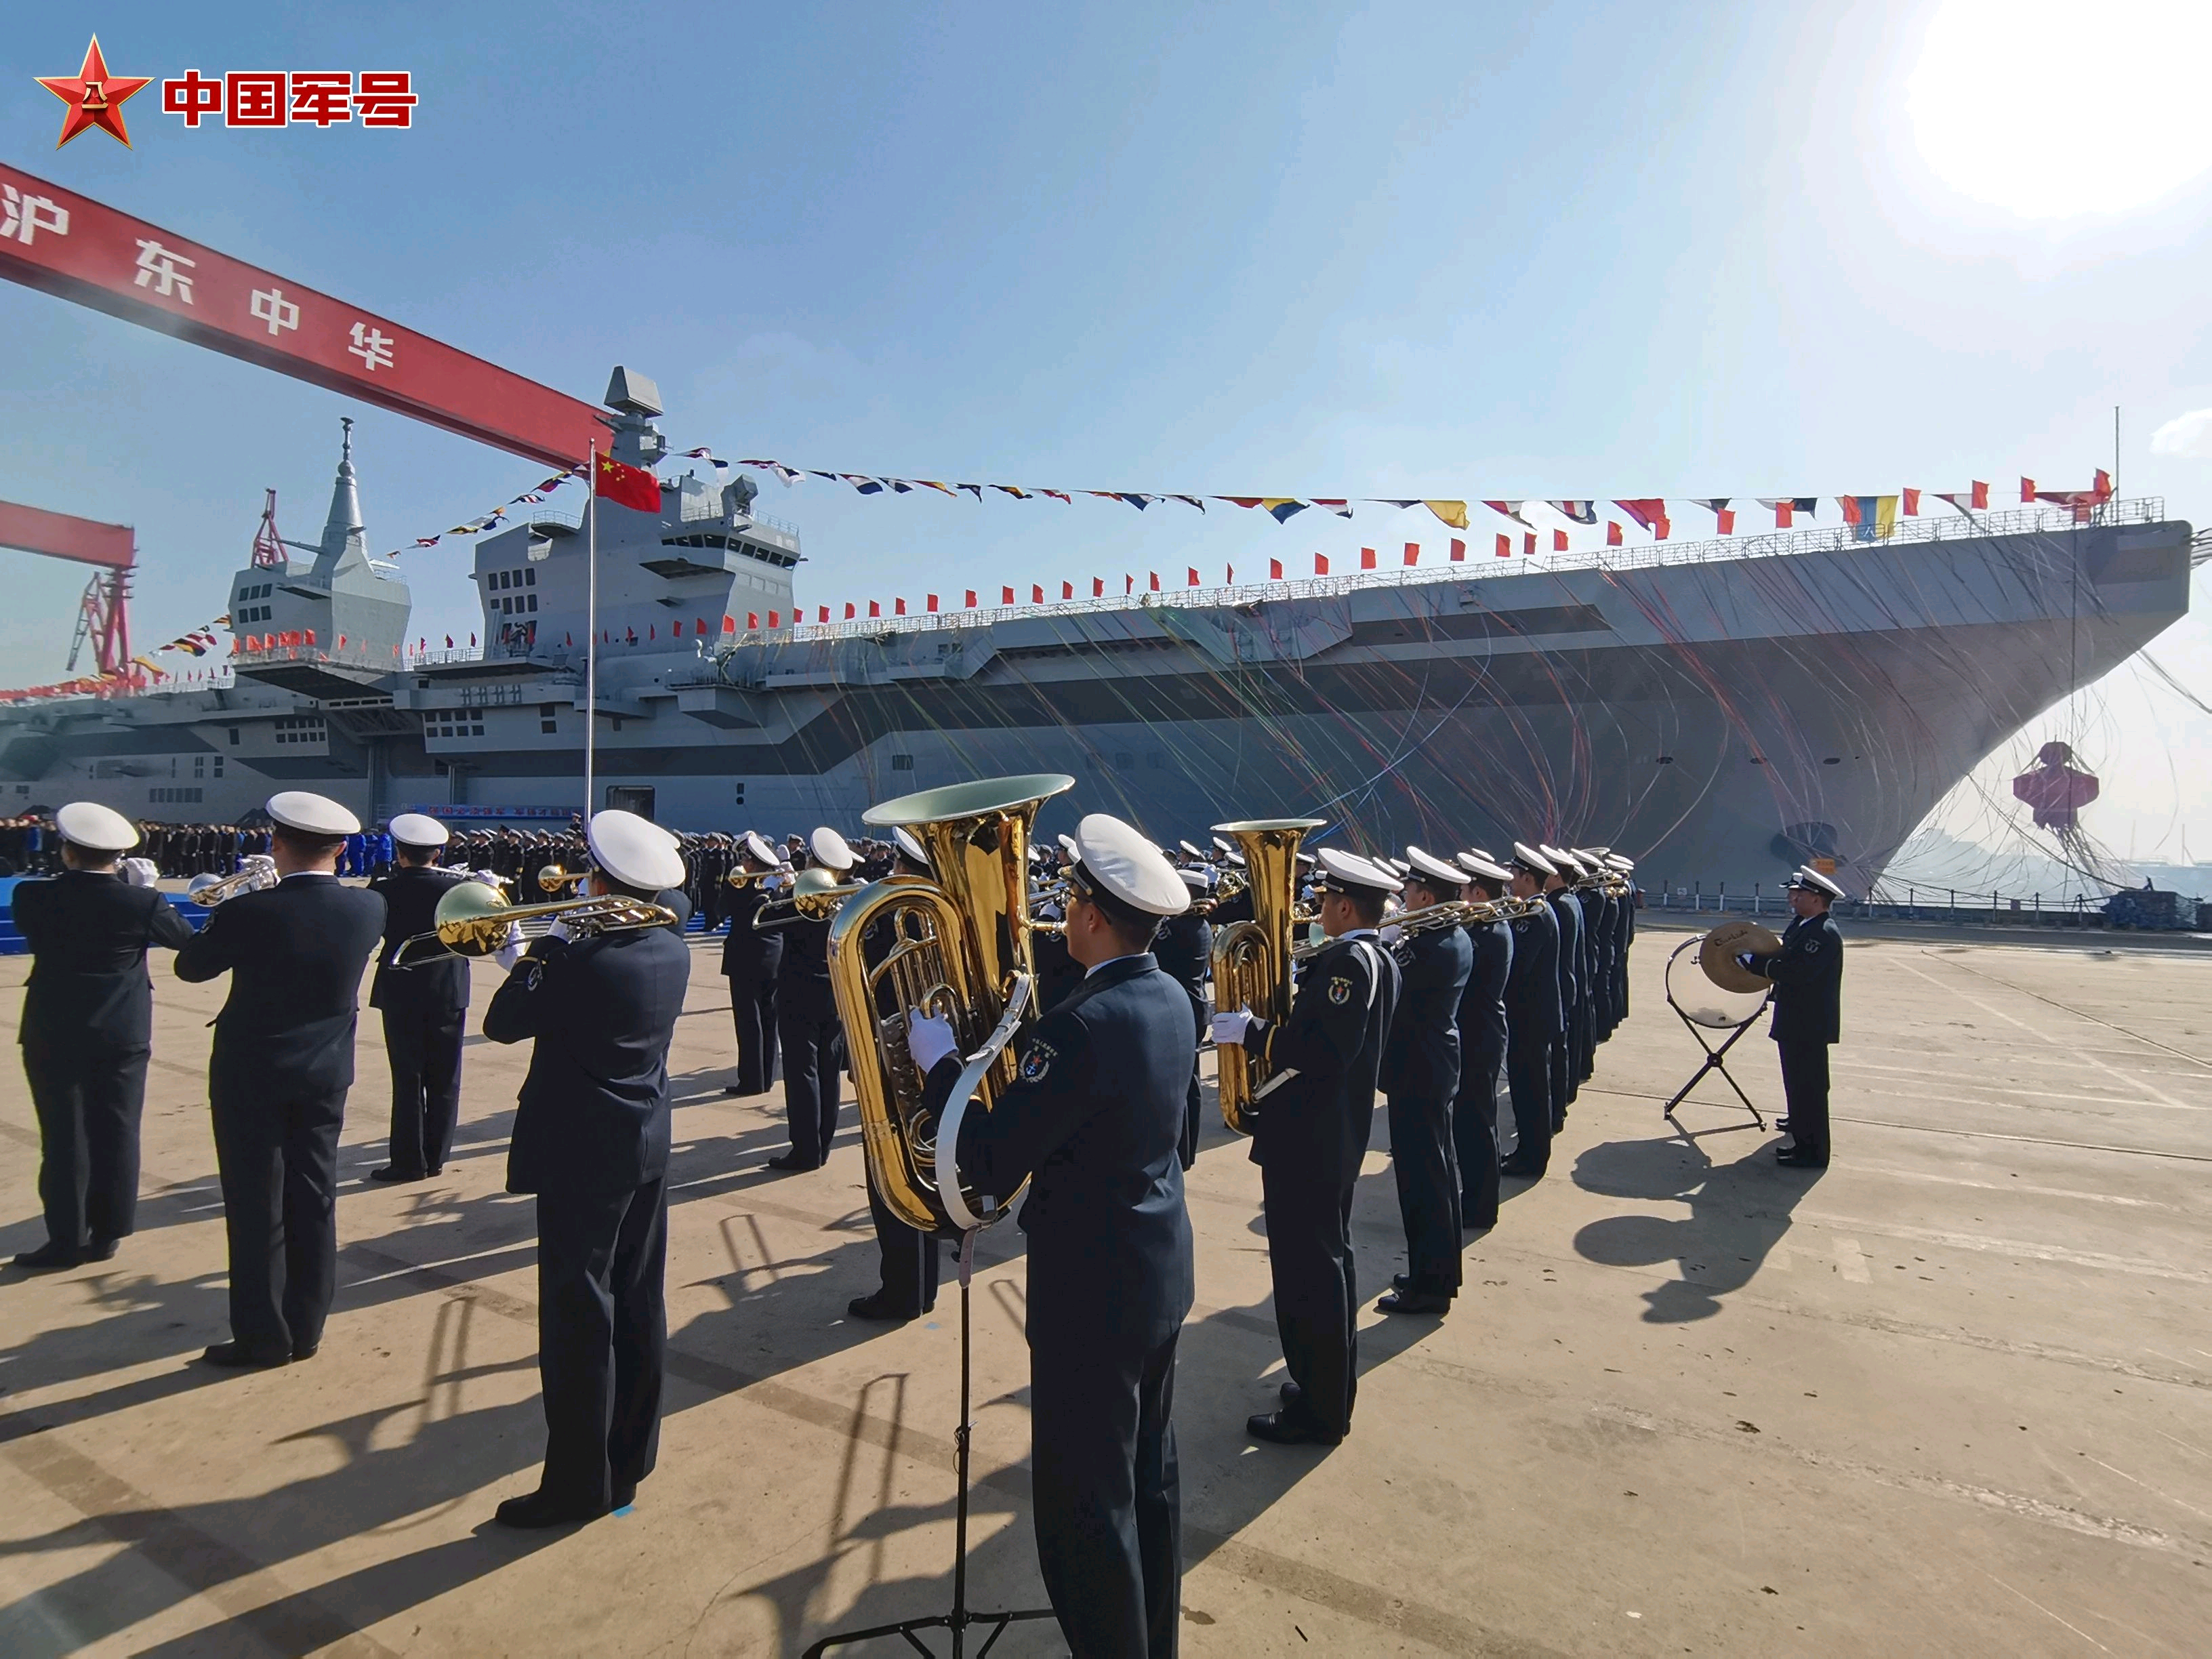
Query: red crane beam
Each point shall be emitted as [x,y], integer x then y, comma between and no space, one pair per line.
[60,536]
[67,244]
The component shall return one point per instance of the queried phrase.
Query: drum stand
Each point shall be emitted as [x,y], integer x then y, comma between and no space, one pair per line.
[959,1620]
[1715,1061]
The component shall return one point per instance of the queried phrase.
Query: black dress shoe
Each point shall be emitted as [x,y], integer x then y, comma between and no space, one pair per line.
[625,1494]
[100,1249]
[48,1257]
[394,1172]
[434,1169]
[1413,1302]
[1514,1168]
[307,1352]
[880,1307]
[735,1089]
[1290,1394]
[790,1161]
[539,1509]
[1792,1158]
[1289,1428]
[237,1356]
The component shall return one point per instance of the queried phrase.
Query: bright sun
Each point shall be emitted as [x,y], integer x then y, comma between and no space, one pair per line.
[2050,109]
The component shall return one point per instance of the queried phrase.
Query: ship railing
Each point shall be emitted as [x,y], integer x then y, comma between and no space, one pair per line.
[1955,907]
[1940,525]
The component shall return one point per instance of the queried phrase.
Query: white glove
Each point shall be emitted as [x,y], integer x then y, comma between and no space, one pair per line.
[1230,1027]
[1393,933]
[510,950]
[558,930]
[928,1040]
[140,872]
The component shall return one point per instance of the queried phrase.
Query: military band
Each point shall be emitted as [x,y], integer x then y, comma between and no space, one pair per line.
[1427,982]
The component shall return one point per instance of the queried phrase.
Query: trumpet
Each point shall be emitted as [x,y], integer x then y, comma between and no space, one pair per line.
[815,896]
[553,880]
[742,878]
[257,873]
[473,919]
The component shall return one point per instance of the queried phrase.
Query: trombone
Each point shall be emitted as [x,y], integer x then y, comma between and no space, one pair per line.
[258,872]
[817,895]
[552,878]
[473,919]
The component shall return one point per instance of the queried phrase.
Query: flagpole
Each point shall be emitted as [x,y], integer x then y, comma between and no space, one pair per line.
[591,626]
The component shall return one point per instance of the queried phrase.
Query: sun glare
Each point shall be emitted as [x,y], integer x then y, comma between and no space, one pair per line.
[2050,110]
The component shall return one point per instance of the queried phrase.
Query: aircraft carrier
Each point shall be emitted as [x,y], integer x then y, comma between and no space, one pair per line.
[1721,711]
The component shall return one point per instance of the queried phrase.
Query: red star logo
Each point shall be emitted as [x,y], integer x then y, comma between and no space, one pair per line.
[95,98]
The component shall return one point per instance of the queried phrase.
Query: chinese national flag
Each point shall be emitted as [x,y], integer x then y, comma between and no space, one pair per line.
[849,612]
[1912,503]
[626,486]
[1274,570]
[752,622]
[931,600]
[1458,552]
[971,598]
[1367,558]
[1097,588]
[1558,541]
[1321,564]
[1036,593]
[2100,490]
[1190,577]
[898,607]
[1980,496]
[1528,543]
[729,623]
[1504,546]
[1413,552]
[875,608]
[775,619]
[2027,490]
[1006,596]
[1612,533]
[1155,576]
[1067,590]
[1727,516]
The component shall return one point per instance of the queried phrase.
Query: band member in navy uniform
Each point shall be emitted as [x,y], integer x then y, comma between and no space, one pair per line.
[1095,1119]
[1627,923]
[1420,1080]
[278,1076]
[1809,1001]
[1559,895]
[752,958]
[1603,908]
[1482,1049]
[591,1141]
[88,1029]
[425,1008]
[1532,1017]
[1184,951]
[910,1258]
[806,1022]
[1312,1126]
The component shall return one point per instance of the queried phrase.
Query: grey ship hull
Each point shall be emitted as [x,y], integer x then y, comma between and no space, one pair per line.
[1719,719]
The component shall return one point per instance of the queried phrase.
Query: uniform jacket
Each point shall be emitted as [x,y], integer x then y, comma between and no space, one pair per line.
[1058,973]
[1422,1059]
[1482,1004]
[1184,950]
[1808,981]
[411,905]
[294,953]
[749,953]
[89,933]
[593,1115]
[1568,908]
[1094,1119]
[1532,989]
[802,978]
[1315,1126]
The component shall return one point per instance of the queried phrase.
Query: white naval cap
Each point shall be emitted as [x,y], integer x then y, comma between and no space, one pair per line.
[1811,880]
[1620,861]
[1198,878]
[1599,852]
[1568,863]
[909,848]
[1478,852]
[311,814]
[419,830]
[1222,845]
[831,850]
[1067,846]
[1435,870]
[1484,869]
[1530,859]
[759,849]
[1121,863]
[1396,866]
[95,828]
[1347,871]
[633,850]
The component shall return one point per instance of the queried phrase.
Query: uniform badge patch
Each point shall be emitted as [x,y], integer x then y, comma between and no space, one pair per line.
[1038,1062]
[1339,991]
[1811,945]
[537,976]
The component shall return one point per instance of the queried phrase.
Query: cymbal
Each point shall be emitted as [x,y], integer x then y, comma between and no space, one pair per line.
[1718,951]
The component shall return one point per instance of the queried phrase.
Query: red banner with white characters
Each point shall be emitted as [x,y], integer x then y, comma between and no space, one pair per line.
[71,246]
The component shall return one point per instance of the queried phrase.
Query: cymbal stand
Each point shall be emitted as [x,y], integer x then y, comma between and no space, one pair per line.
[1715,1060]
[959,1620]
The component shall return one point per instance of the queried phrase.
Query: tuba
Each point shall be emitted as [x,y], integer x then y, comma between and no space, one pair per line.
[1252,959]
[958,947]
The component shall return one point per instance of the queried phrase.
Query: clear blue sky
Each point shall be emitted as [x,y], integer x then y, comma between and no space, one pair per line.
[1601,250]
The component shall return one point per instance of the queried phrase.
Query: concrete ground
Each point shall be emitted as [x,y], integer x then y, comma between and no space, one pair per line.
[1950,1397]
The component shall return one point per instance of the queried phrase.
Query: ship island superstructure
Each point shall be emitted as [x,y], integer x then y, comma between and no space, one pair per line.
[1720,711]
